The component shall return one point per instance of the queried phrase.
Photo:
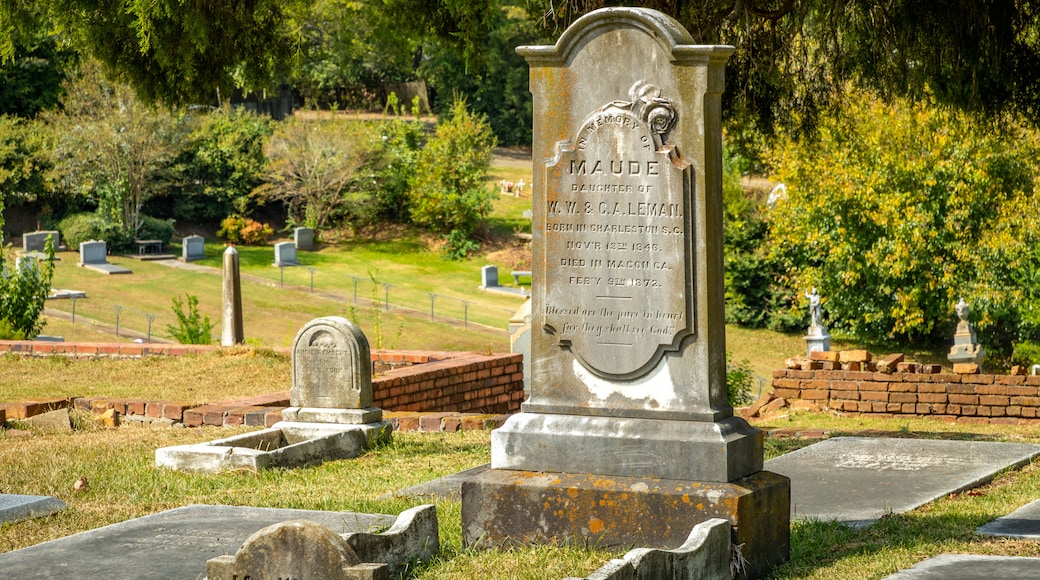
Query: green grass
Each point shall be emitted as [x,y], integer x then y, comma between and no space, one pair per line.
[119,465]
[275,309]
[124,483]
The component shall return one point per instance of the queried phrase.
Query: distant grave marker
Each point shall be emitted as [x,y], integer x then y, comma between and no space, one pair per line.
[93,255]
[285,254]
[489,277]
[193,248]
[37,241]
[14,507]
[303,239]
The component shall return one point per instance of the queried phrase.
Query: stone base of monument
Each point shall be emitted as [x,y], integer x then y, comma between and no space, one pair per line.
[683,450]
[817,342]
[285,444]
[502,508]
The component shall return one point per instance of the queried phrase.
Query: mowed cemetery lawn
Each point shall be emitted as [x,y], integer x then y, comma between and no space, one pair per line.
[124,483]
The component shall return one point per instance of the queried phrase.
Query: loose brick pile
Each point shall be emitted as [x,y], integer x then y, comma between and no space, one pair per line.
[850,382]
[419,390]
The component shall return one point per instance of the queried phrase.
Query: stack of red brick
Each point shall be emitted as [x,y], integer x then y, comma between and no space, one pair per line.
[851,382]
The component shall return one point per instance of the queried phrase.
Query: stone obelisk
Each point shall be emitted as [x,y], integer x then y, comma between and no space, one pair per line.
[231,331]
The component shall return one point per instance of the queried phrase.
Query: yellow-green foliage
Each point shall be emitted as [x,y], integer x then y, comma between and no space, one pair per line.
[899,210]
[448,190]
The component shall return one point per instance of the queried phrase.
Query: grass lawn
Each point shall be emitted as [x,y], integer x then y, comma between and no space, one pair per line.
[275,309]
[119,464]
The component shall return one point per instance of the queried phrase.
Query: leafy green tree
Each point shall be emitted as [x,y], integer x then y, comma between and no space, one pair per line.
[349,50]
[112,148]
[169,51]
[898,211]
[219,163]
[794,59]
[448,192]
[23,291]
[316,167]
[24,160]
[31,80]
[495,79]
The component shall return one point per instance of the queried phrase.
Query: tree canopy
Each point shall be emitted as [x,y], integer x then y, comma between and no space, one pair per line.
[792,63]
[175,51]
[794,59]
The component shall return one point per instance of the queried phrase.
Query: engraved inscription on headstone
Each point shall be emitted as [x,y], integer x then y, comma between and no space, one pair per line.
[332,366]
[617,230]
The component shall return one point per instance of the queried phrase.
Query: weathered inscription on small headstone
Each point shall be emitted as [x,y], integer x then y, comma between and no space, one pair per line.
[331,366]
[617,221]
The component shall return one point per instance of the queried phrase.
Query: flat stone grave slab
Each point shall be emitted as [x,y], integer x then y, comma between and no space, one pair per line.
[856,480]
[17,507]
[447,487]
[174,544]
[107,268]
[968,567]
[1023,523]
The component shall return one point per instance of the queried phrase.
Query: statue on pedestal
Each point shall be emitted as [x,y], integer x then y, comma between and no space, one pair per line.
[966,348]
[817,339]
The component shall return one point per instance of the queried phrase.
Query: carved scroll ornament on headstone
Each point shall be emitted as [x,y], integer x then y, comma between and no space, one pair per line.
[618,221]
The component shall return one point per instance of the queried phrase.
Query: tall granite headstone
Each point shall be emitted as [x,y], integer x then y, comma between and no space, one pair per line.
[628,437]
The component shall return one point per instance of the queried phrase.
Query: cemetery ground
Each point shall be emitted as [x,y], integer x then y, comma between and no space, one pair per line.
[124,483]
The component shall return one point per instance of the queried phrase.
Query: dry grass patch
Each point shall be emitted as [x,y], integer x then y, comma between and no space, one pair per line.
[217,376]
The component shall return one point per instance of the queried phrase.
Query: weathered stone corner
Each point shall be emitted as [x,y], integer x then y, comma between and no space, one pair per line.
[413,538]
[304,549]
[705,555]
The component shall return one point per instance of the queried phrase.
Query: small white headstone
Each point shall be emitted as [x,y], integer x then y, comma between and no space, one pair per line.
[489,277]
[304,239]
[93,252]
[285,254]
[193,248]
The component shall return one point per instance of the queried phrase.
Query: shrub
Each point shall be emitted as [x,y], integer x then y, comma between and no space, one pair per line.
[457,245]
[1026,353]
[82,227]
[448,191]
[219,164]
[739,381]
[192,328]
[23,292]
[242,230]
[155,229]
[321,169]
[402,140]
